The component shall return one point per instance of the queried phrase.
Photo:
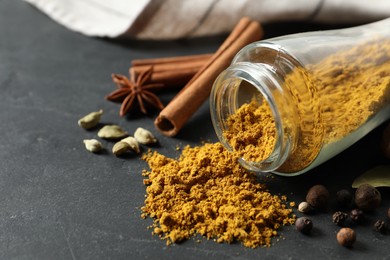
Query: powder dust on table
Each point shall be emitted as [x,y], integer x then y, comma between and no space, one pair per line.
[207,192]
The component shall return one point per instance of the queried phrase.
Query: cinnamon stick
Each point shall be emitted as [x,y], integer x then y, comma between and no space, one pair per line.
[171,71]
[170,60]
[173,117]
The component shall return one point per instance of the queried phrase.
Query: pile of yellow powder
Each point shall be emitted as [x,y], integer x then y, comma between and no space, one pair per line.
[207,192]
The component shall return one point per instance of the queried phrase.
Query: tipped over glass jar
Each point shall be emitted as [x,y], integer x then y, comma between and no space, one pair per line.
[287,104]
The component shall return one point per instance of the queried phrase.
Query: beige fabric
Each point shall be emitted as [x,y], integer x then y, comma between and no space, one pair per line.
[172,19]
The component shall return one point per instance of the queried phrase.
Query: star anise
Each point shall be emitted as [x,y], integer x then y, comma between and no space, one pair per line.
[134,89]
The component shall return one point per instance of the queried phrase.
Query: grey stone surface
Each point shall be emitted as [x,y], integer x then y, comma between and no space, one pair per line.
[58,201]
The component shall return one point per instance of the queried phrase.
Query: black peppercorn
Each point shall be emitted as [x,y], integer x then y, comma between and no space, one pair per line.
[356,215]
[318,197]
[346,237]
[340,218]
[380,226]
[367,197]
[304,225]
[344,197]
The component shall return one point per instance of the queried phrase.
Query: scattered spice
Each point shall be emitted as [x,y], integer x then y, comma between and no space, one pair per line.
[357,215]
[112,132]
[121,148]
[346,237]
[135,90]
[367,197]
[304,225]
[344,197]
[318,197]
[207,191]
[380,226]
[304,207]
[133,143]
[339,218]
[126,145]
[91,120]
[144,136]
[93,145]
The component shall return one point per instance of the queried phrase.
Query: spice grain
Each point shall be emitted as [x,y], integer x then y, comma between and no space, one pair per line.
[318,197]
[304,225]
[144,136]
[304,207]
[356,215]
[346,237]
[90,120]
[93,145]
[380,226]
[120,148]
[135,90]
[133,143]
[367,197]
[339,218]
[112,132]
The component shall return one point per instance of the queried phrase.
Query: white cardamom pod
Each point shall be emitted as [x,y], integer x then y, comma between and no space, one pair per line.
[91,120]
[120,148]
[133,143]
[112,132]
[144,136]
[93,145]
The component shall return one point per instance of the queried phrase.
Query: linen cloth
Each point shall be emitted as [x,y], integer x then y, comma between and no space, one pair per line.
[173,19]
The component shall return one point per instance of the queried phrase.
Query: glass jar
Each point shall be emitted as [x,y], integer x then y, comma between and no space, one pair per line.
[287,104]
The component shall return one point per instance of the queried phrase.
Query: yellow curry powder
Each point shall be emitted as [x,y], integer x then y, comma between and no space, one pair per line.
[251,131]
[352,86]
[347,88]
[207,192]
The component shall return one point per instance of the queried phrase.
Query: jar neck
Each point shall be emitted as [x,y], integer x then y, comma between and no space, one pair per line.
[236,86]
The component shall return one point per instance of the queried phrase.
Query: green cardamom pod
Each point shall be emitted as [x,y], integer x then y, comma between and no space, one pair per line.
[120,148]
[93,145]
[132,142]
[144,136]
[112,132]
[91,120]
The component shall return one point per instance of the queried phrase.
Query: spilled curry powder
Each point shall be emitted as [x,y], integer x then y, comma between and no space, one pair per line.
[207,192]
[334,98]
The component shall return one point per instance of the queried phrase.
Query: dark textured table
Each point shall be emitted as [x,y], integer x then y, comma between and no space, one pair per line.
[58,201]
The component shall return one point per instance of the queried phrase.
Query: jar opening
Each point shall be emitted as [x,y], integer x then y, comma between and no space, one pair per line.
[246,117]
